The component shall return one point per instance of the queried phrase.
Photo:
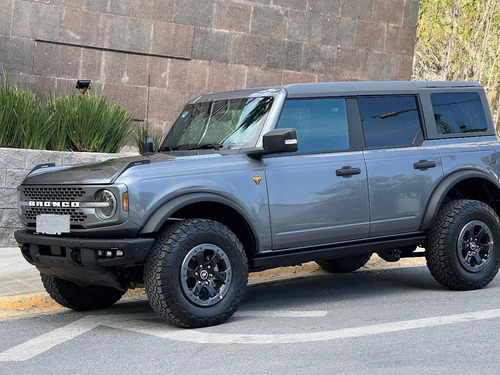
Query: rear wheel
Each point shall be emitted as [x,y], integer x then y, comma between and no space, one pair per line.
[81,298]
[345,264]
[463,246]
[196,273]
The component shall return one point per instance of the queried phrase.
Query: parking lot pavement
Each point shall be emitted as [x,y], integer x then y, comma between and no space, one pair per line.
[22,292]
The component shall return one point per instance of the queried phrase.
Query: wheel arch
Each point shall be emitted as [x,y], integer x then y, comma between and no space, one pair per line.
[206,206]
[469,184]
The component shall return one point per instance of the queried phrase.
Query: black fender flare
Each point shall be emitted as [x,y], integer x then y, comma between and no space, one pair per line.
[163,214]
[444,187]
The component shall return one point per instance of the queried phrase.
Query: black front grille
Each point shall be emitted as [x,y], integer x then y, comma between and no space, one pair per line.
[75,214]
[53,193]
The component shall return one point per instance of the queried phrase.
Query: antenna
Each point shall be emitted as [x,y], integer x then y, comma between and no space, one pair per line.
[147,106]
[147,143]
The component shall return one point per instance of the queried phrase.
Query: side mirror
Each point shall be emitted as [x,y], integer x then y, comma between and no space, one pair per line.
[275,141]
[147,146]
[280,140]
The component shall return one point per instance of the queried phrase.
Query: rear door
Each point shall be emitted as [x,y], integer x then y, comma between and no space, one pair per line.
[319,194]
[403,168]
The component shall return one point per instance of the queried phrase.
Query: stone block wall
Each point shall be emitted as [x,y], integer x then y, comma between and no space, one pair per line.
[188,47]
[14,166]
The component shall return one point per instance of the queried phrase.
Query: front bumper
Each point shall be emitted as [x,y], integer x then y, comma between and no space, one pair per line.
[78,259]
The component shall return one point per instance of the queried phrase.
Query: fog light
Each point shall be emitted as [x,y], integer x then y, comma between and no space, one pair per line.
[109,253]
[119,253]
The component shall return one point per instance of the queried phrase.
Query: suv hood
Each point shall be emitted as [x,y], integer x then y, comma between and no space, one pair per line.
[105,172]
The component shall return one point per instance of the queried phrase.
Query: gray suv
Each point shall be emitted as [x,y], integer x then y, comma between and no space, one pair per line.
[258,178]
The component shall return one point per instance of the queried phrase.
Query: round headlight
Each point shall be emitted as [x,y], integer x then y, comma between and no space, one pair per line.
[108,207]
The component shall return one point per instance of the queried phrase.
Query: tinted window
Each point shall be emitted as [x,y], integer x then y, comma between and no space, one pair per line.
[458,113]
[390,121]
[321,124]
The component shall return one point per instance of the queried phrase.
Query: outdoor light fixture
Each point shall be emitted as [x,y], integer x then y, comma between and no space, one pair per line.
[83,84]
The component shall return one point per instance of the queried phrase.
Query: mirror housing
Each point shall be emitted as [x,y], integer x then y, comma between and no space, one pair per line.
[277,141]
[147,146]
[280,140]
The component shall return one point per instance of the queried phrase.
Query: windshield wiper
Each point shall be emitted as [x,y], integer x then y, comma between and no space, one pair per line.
[206,146]
[168,148]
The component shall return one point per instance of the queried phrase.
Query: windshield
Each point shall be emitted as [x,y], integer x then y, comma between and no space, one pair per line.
[232,123]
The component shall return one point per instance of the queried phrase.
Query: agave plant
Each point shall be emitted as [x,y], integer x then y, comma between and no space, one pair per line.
[23,121]
[89,123]
[69,122]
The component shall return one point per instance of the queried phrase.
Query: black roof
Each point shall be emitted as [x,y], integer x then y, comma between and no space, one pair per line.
[368,87]
[337,88]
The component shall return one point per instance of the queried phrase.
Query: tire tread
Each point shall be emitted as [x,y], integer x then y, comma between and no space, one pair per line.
[80,298]
[161,258]
[439,255]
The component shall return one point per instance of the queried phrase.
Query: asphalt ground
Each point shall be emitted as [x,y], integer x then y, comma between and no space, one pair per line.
[22,292]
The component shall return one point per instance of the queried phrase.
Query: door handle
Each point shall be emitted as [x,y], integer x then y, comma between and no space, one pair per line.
[347,171]
[424,164]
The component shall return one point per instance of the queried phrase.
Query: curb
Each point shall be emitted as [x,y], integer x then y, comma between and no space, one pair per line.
[42,303]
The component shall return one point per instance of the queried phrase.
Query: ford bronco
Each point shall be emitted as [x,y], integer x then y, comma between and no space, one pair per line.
[258,178]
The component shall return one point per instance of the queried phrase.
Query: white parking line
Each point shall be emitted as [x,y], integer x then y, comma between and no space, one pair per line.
[200,337]
[42,343]
[138,323]
[284,314]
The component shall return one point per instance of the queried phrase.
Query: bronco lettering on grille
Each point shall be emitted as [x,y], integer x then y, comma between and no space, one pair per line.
[60,204]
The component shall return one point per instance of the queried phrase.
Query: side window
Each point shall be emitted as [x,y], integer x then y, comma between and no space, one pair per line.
[321,124]
[390,121]
[460,112]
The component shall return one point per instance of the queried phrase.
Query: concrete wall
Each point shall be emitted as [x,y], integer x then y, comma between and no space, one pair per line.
[195,46]
[14,166]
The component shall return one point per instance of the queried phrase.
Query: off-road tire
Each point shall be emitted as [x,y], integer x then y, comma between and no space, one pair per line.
[188,248]
[460,228]
[345,264]
[80,298]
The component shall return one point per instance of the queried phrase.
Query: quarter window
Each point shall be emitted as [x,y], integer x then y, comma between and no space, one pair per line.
[390,121]
[321,124]
[460,112]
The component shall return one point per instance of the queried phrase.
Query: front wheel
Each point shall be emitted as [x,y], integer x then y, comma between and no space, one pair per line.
[80,298]
[195,274]
[463,245]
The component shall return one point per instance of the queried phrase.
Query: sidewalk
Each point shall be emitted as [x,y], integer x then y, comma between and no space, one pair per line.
[22,292]
[16,275]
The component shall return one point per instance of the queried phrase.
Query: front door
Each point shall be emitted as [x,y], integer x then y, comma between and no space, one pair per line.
[319,194]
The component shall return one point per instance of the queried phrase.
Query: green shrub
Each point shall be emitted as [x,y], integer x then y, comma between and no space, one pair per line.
[88,123]
[23,121]
[69,122]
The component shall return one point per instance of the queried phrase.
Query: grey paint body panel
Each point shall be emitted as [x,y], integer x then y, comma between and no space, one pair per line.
[311,205]
[223,178]
[399,192]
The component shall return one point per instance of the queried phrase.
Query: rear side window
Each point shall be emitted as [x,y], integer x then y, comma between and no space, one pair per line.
[390,121]
[321,124]
[460,112]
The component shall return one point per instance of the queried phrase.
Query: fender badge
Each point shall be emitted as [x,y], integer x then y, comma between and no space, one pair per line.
[257,179]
